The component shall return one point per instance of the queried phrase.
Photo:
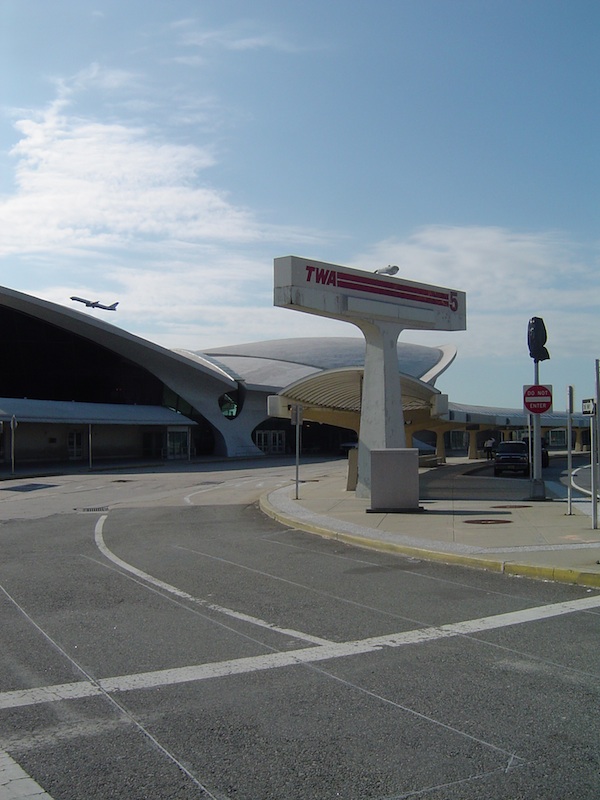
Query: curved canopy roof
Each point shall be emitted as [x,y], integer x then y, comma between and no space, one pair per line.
[278,363]
[341,389]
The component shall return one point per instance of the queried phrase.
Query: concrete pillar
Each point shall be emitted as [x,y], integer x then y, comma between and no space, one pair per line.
[382,416]
[473,444]
[440,445]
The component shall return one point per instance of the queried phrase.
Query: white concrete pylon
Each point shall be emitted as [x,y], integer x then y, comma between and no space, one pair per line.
[382,416]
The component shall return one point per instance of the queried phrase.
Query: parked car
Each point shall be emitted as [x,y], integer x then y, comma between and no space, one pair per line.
[511,457]
[514,457]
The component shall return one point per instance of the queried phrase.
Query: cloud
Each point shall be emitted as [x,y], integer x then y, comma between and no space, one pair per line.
[85,184]
[508,277]
[232,38]
[121,210]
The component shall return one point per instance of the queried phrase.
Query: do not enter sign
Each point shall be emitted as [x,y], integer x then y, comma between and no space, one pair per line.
[537,399]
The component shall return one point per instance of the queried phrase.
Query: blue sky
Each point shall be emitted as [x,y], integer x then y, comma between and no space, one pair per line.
[163,153]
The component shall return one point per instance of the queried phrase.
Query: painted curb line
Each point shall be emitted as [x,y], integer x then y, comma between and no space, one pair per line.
[513,568]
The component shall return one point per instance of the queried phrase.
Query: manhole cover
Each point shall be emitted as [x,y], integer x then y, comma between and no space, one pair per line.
[488,521]
[512,506]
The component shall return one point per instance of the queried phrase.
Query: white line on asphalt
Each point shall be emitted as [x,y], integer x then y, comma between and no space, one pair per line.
[15,783]
[235,484]
[167,587]
[308,655]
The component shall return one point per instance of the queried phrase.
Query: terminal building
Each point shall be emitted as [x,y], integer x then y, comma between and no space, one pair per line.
[76,388]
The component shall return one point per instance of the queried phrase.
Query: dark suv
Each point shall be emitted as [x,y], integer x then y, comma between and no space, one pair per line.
[511,457]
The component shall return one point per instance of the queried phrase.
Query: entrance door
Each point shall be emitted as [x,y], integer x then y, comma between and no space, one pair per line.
[271,442]
[177,444]
[277,442]
[74,446]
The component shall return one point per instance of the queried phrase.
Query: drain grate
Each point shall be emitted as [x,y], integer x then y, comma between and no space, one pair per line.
[488,521]
[95,509]
[512,506]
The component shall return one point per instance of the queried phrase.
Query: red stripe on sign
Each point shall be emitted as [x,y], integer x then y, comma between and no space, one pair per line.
[394,290]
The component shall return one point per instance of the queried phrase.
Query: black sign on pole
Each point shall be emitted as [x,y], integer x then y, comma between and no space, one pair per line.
[536,339]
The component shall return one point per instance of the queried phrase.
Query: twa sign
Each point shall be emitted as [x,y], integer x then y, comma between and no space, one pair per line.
[354,295]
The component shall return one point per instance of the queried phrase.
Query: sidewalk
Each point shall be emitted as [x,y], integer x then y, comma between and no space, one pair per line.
[482,522]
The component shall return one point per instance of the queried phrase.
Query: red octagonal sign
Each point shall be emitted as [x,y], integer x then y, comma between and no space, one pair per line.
[537,399]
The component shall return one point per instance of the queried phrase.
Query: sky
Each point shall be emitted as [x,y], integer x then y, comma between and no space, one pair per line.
[162,154]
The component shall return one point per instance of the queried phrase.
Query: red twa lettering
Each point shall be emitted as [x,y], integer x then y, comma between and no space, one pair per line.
[327,277]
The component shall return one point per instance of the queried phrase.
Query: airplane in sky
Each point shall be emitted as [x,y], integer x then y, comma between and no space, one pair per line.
[95,304]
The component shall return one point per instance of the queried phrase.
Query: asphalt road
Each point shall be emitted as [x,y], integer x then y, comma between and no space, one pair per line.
[555,475]
[161,638]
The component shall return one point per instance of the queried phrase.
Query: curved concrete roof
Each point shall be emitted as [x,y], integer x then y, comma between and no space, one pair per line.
[278,363]
[162,362]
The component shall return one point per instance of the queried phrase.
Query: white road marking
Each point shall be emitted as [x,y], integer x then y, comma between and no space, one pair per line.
[308,655]
[225,485]
[15,783]
[167,587]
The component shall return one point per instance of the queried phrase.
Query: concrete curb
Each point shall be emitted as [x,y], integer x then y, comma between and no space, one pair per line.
[536,572]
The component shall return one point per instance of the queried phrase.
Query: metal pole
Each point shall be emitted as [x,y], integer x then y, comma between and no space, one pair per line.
[594,468]
[597,398]
[594,422]
[530,444]
[569,448]
[13,427]
[298,423]
[90,444]
[538,490]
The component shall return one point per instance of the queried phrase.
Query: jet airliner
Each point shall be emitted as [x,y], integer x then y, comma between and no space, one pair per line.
[95,304]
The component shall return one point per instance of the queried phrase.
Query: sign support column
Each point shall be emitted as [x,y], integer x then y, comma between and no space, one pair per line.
[536,341]
[537,400]
[569,448]
[594,468]
[538,487]
[590,408]
[382,417]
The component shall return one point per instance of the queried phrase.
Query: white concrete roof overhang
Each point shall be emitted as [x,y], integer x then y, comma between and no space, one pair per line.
[269,363]
[341,390]
[277,365]
[73,413]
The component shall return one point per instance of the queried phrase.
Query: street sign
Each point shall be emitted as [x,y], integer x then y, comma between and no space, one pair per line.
[588,406]
[355,295]
[537,399]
